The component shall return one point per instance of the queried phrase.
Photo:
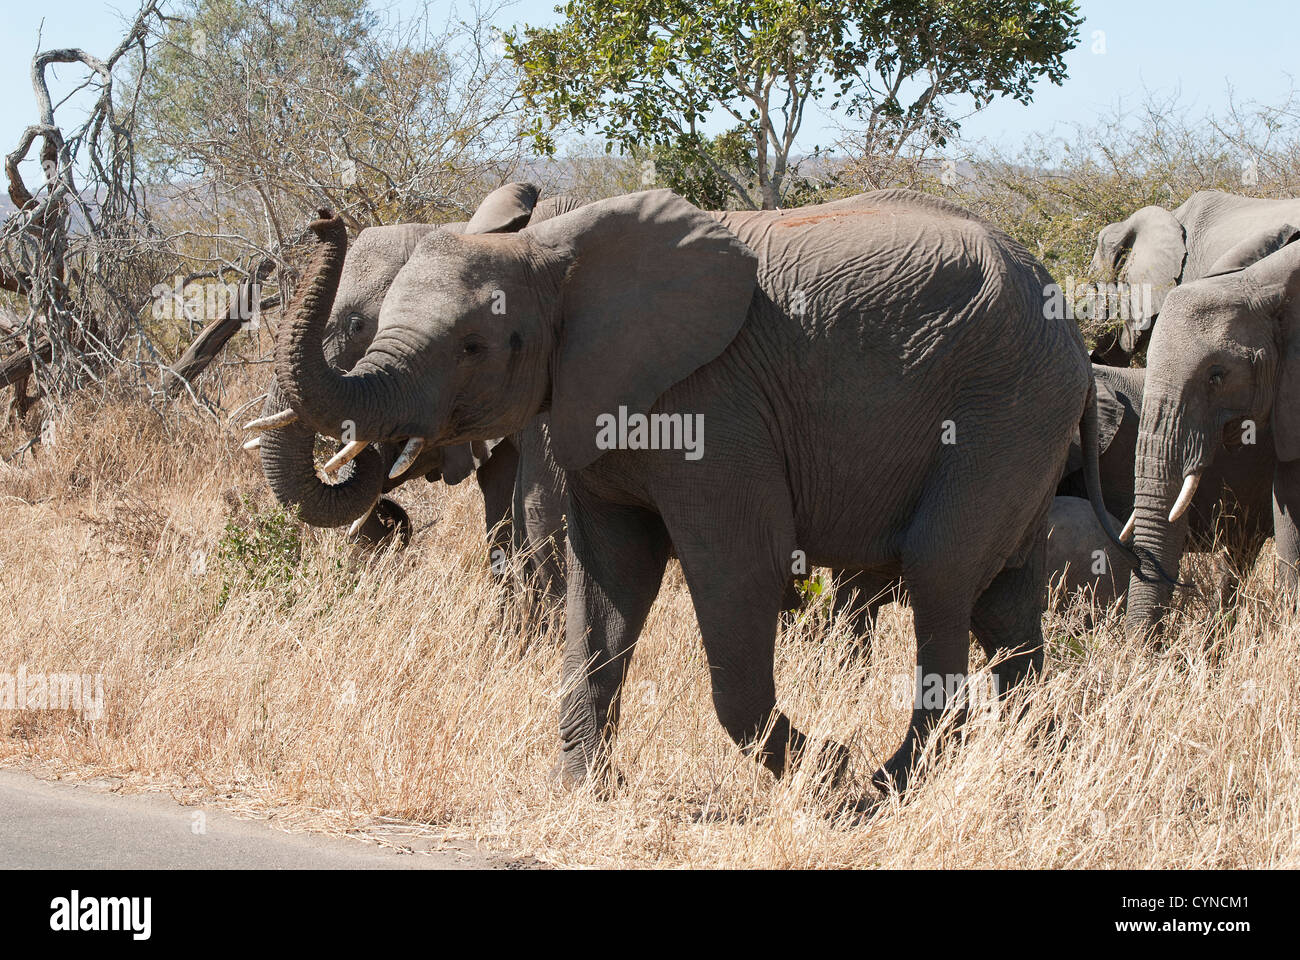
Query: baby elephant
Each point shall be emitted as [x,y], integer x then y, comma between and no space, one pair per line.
[1081,558]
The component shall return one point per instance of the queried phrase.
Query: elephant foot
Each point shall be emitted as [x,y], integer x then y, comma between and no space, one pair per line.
[859,812]
[569,775]
[896,773]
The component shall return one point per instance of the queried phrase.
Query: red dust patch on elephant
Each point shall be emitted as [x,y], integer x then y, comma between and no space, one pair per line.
[819,217]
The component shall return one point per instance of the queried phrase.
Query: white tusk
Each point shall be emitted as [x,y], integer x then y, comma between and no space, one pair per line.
[1185,496]
[273,422]
[360,521]
[253,444]
[1128,527]
[406,457]
[343,456]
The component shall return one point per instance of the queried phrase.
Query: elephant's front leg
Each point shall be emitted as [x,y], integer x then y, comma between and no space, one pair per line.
[496,480]
[617,557]
[1286,512]
[737,571]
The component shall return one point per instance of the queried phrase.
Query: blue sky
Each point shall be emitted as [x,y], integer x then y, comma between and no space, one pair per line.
[1196,48]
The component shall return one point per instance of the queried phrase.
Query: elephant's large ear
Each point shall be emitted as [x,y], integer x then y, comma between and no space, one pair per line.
[1254,249]
[505,210]
[1110,414]
[1146,249]
[554,207]
[655,289]
[1275,282]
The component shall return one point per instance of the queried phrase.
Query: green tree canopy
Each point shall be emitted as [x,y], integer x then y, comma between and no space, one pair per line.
[649,74]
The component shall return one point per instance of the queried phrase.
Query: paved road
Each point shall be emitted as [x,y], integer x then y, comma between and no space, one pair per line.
[58,825]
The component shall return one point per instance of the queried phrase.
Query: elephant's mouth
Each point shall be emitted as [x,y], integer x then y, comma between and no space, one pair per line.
[1234,432]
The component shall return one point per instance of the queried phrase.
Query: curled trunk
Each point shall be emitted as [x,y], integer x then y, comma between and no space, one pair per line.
[290,470]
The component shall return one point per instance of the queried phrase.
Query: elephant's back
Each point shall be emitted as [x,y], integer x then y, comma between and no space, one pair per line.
[1218,224]
[913,279]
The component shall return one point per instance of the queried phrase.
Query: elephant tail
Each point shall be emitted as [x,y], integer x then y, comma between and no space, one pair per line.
[1088,437]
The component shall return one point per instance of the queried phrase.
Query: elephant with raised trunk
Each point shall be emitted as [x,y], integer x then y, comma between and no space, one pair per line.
[1223,365]
[514,473]
[843,367]
[1155,250]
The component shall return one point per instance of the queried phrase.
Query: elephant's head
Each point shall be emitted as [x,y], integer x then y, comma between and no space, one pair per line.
[1144,255]
[1225,359]
[363,281]
[605,306]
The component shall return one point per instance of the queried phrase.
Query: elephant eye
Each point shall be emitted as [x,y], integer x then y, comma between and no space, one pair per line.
[472,346]
[356,323]
[1217,374]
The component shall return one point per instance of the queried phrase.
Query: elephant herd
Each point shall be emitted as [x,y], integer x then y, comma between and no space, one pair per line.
[872,385]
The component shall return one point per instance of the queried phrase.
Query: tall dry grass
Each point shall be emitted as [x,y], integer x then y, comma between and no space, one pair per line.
[406,686]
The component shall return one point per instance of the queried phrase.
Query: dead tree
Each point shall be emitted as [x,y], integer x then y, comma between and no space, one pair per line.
[74,251]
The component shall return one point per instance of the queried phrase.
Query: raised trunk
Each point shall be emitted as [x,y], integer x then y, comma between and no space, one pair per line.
[290,470]
[334,404]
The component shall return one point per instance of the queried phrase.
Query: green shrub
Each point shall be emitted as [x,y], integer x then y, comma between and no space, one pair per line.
[259,549]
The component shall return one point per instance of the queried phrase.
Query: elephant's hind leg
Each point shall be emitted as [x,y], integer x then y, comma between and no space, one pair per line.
[942,626]
[947,567]
[617,556]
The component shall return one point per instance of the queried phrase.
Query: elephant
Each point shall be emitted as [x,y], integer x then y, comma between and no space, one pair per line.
[1239,482]
[848,361]
[514,473]
[1154,250]
[1223,364]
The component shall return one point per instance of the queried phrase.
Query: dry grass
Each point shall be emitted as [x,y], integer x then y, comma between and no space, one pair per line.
[398,688]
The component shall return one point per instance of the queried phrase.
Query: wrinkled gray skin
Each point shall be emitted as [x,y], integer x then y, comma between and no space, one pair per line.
[1164,249]
[1227,350]
[1237,486]
[511,472]
[824,368]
